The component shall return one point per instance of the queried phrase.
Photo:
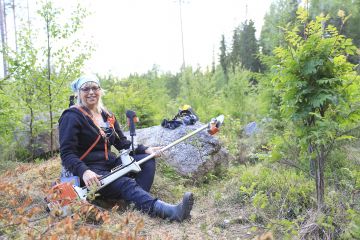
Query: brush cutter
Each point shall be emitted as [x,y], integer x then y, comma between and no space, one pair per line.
[62,194]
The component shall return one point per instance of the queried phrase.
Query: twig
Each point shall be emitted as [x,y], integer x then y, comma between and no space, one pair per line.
[30,221]
[289,163]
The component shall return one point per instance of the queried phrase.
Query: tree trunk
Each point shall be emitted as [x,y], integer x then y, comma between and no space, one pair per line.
[51,123]
[5,23]
[50,90]
[31,130]
[15,32]
[311,161]
[319,178]
[28,15]
[3,36]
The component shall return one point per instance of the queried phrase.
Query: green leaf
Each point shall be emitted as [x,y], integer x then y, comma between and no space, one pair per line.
[345,137]
[320,100]
[311,66]
[326,81]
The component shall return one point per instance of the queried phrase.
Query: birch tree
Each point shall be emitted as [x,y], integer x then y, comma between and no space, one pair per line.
[63,58]
[41,72]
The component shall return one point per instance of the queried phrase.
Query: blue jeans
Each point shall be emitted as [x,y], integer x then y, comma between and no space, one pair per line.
[145,177]
[131,189]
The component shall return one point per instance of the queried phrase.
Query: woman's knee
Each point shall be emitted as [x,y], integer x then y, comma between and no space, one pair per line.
[149,165]
[116,188]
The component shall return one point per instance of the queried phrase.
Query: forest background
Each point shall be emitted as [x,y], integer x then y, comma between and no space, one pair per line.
[298,174]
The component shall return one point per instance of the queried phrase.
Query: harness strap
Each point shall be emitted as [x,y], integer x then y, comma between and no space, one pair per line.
[111,120]
[90,148]
[102,134]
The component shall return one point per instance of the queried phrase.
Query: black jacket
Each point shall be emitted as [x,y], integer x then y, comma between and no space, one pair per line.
[77,133]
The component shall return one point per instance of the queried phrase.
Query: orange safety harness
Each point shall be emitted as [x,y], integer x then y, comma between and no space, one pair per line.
[110,120]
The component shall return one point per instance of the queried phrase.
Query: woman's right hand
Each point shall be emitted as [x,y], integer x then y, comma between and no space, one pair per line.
[89,177]
[156,150]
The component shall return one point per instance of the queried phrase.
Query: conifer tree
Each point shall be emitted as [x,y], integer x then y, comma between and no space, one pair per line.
[235,57]
[224,62]
[249,48]
[281,13]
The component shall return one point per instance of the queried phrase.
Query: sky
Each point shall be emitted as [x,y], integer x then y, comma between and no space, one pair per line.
[131,36]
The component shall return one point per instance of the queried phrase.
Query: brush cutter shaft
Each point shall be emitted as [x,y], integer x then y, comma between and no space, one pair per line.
[63,194]
[218,121]
[173,144]
[133,166]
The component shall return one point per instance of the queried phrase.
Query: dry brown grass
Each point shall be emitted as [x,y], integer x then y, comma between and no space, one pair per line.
[23,215]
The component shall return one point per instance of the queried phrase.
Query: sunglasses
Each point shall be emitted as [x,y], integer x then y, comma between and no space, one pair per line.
[87,89]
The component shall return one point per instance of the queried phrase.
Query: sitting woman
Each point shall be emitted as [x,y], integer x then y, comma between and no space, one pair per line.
[86,131]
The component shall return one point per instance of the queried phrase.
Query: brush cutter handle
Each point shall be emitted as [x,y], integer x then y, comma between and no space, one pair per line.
[131,119]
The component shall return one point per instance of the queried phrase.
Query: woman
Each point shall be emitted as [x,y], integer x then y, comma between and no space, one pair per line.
[86,132]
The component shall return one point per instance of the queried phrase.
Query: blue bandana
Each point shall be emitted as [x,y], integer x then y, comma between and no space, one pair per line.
[76,84]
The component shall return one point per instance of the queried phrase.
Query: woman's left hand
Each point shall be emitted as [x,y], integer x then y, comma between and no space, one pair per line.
[156,150]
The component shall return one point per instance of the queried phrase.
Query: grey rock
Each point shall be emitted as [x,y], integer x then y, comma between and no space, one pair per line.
[41,144]
[193,157]
[251,128]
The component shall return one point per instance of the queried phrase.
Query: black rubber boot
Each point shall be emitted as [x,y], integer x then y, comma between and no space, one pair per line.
[178,212]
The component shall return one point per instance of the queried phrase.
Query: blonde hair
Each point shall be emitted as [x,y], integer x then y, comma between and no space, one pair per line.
[100,103]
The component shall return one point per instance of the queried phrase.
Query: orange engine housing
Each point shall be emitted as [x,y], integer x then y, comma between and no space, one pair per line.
[62,194]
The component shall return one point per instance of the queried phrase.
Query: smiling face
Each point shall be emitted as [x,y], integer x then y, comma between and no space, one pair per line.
[90,94]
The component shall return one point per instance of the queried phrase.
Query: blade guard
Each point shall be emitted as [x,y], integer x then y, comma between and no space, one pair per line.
[215,124]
